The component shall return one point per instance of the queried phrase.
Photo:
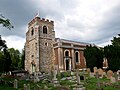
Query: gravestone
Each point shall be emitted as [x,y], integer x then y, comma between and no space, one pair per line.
[28,86]
[95,69]
[55,80]
[72,73]
[104,74]
[109,74]
[98,82]
[100,72]
[79,85]
[15,84]
[112,80]
[25,87]
[88,71]
[77,77]
[92,75]
[35,77]
[118,73]
[116,77]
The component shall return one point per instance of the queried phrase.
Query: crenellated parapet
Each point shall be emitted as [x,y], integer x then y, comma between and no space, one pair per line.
[38,19]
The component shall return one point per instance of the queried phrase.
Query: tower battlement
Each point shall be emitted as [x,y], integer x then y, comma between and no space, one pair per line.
[40,20]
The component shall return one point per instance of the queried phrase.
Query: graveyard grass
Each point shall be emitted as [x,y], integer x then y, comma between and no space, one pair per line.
[90,84]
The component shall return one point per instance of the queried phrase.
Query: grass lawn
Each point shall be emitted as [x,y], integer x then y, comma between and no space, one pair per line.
[90,84]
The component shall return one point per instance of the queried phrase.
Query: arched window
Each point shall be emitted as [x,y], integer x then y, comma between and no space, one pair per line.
[32,31]
[76,57]
[44,30]
[66,53]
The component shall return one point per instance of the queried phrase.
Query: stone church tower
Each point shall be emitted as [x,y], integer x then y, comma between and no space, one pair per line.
[39,52]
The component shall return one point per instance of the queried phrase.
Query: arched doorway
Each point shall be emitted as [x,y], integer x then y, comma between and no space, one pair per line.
[67,64]
[67,60]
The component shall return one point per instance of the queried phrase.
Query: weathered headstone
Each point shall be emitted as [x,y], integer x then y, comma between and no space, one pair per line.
[98,82]
[25,87]
[10,73]
[79,85]
[28,86]
[15,84]
[100,72]
[95,70]
[112,80]
[118,73]
[109,74]
[88,70]
[54,74]
[55,80]
[36,77]
[116,77]
[72,73]
[77,77]
[92,75]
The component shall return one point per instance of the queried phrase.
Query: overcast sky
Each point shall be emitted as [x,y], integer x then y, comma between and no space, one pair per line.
[91,21]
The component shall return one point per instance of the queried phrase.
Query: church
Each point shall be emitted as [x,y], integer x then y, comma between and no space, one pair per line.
[44,52]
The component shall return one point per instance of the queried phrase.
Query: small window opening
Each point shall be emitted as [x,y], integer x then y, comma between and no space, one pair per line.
[66,53]
[76,56]
[32,32]
[44,30]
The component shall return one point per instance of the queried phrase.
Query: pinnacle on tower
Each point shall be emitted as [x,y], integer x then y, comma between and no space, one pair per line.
[37,14]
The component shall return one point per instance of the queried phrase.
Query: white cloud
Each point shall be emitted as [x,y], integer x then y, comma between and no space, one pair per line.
[15,42]
[93,21]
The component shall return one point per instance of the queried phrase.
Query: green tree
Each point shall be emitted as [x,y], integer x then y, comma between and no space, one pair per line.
[5,59]
[112,53]
[5,22]
[116,41]
[22,60]
[15,57]
[94,57]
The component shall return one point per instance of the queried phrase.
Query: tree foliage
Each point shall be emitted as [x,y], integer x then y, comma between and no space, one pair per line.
[5,22]
[5,59]
[15,57]
[112,53]
[94,57]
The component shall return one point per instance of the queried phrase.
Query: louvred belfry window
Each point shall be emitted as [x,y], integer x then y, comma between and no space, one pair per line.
[44,30]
